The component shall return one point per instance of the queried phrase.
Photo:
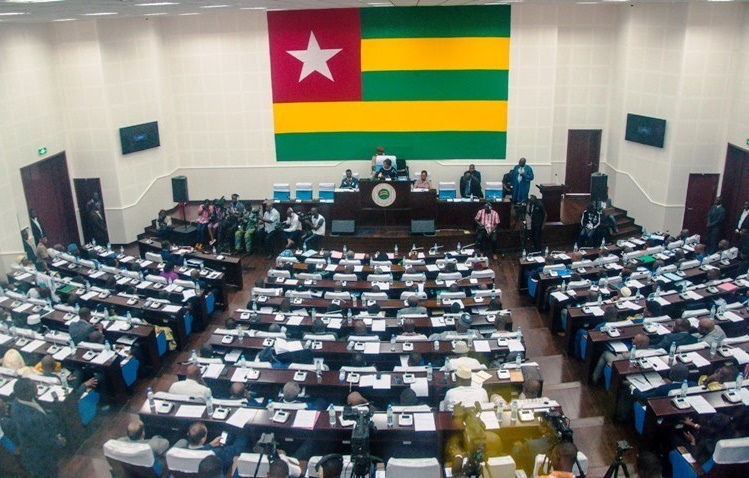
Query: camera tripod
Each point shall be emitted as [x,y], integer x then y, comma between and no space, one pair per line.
[618,463]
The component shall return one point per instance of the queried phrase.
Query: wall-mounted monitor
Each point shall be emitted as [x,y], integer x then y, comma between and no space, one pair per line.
[139,137]
[645,130]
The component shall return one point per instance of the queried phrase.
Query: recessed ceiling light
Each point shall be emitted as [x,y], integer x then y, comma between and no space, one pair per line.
[214,6]
[155,14]
[32,1]
[64,20]
[11,14]
[99,14]
[188,14]
[252,8]
[156,4]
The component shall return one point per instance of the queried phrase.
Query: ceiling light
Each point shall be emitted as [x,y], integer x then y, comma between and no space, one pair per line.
[214,6]
[31,1]
[64,20]
[10,14]
[99,14]
[188,14]
[156,4]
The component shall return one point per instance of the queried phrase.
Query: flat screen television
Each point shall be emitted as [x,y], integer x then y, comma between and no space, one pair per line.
[139,137]
[645,130]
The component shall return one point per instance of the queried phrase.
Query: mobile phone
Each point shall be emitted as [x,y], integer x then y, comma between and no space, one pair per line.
[222,440]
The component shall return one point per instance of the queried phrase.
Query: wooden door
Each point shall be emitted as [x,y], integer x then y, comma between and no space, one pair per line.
[85,190]
[734,190]
[701,192]
[583,157]
[46,186]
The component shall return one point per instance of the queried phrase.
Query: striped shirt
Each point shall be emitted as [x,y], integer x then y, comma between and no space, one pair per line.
[488,220]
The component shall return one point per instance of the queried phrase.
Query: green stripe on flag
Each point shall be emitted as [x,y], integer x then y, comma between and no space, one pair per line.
[434,85]
[408,144]
[436,22]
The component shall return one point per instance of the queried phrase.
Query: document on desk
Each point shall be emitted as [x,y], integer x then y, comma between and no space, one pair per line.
[31,346]
[659,364]
[7,389]
[103,357]
[744,395]
[382,383]
[631,305]
[305,419]
[371,347]
[190,411]
[335,324]
[662,301]
[699,404]
[481,346]
[617,346]
[424,422]
[188,294]
[421,387]
[693,295]
[560,296]
[432,268]
[596,311]
[62,354]
[240,375]
[490,420]
[640,382]
[144,285]
[732,316]
[740,356]
[698,360]
[358,269]
[331,267]
[295,320]
[515,345]
[359,255]
[379,325]
[661,330]
[654,378]
[123,281]
[438,321]
[241,416]
[170,309]
[4,338]
[366,381]
[213,370]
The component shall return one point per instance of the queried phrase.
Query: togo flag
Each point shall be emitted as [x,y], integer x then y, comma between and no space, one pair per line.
[424,82]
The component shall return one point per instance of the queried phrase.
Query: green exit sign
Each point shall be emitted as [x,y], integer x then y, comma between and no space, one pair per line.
[747,141]
[43,151]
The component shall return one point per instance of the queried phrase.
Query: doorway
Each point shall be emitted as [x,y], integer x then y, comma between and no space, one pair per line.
[583,158]
[46,186]
[701,192]
[733,190]
[87,190]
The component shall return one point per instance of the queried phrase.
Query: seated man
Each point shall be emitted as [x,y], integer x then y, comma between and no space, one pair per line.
[330,466]
[462,330]
[316,224]
[388,172]
[413,307]
[679,335]
[136,433]
[81,329]
[192,385]
[487,221]
[563,458]
[361,334]
[409,332]
[290,397]
[470,187]
[461,359]
[74,380]
[708,331]
[641,341]
[715,381]
[349,182]
[197,436]
[464,392]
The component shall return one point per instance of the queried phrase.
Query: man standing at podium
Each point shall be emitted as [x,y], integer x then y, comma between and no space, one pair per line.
[522,176]
[487,220]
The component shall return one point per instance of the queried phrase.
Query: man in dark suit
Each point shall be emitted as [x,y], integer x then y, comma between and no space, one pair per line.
[39,432]
[715,219]
[679,335]
[197,440]
[470,186]
[743,221]
[36,226]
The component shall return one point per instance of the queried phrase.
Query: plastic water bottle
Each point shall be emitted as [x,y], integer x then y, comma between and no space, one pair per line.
[447,364]
[564,285]
[520,333]
[342,376]
[151,400]
[603,243]
[193,357]
[197,288]
[390,416]
[128,318]
[72,346]
[93,241]
[459,248]
[633,355]
[209,402]
[739,382]
[524,255]
[546,251]
[107,345]
[430,372]
[214,250]
[599,299]
[349,319]
[345,249]
[254,306]
[514,409]
[713,348]
[436,345]
[494,291]
[395,250]
[140,275]
[658,291]
[109,247]
[671,354]
[518,359]
[122,250]
[684,388]
[392,342]
[575,248]
[318,368]
[313,314]
[712,311]
[88,286]
[304,247]
[331,415]
[242,362]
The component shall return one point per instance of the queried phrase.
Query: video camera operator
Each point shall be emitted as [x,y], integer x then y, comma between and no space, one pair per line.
[471,447]
[314,224]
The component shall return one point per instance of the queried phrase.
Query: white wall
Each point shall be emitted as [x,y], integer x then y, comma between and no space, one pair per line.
[206,80]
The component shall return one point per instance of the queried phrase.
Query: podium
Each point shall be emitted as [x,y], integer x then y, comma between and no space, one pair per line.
[551,196]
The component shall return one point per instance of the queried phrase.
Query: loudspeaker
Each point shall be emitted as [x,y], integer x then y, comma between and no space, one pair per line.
[179,189]
[422,226]
[599,190]
[343,227]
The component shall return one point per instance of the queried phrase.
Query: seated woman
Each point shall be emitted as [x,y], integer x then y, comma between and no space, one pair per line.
[163,224]
[423,182]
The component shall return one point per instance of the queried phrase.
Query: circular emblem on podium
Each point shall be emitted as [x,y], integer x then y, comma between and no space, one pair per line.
[383,195]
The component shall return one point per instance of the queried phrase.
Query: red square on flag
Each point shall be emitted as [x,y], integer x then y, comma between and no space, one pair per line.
[315,55]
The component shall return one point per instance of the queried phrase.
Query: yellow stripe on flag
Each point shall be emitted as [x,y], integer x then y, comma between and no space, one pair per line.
[476,53]
[390,116]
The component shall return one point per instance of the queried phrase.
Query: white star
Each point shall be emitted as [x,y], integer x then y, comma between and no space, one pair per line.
[314,59]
